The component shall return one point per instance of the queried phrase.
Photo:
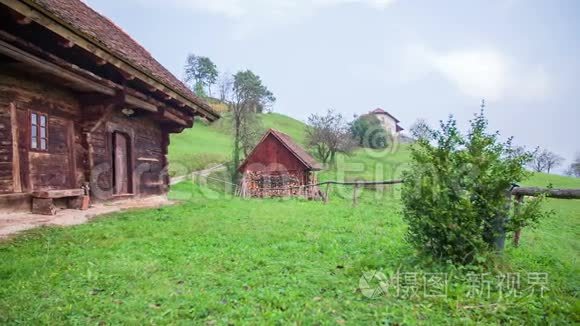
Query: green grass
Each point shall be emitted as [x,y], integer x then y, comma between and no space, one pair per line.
[217,259]
[294,128]
[557,181]
[220,260]
[368,164]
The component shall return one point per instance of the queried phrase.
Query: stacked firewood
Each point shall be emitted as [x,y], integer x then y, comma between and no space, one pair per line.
[274,184]
[263,184]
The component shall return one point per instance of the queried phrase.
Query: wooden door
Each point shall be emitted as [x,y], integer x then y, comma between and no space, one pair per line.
[121,164]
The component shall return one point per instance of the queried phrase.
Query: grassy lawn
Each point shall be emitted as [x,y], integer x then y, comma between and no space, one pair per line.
[215,259]
[220,260]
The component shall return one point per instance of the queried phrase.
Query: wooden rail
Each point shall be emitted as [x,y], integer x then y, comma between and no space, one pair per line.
[356,184]
[517,192]
[351,183]
[520,192]
[552,193]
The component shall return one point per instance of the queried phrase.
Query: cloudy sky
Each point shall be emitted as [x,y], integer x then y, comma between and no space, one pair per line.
[416,59]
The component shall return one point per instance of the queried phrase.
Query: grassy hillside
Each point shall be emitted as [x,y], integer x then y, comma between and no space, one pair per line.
[206,144]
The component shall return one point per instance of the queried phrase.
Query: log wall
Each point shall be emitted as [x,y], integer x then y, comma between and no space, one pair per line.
[6,148]
[25,170]
[79,141]
[147,157]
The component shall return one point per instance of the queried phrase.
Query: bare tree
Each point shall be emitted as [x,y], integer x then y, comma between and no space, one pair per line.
[225,85]
[329,134]
[247,93]
[545,161]
[574,169]
[421,130]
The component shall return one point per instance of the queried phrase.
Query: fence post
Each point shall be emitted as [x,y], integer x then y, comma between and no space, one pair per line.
[498,227]
[354,194]
[519,199]
[326,194]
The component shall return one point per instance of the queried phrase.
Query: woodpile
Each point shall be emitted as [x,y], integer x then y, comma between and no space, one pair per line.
[264,184]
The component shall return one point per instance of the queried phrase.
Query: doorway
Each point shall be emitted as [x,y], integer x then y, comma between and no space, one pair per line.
[121,167]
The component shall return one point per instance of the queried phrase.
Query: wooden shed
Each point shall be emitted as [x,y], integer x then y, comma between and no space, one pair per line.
[278,167]
[82,106]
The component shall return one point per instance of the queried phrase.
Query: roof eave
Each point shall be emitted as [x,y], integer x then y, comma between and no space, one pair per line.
[41,16]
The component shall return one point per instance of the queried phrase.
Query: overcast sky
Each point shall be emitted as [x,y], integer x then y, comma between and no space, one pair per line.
[416,59]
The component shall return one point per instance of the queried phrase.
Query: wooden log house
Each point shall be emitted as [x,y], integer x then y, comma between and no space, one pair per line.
[81,103]
[278,167]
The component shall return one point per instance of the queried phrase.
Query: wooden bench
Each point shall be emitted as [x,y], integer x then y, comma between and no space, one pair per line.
[42,201]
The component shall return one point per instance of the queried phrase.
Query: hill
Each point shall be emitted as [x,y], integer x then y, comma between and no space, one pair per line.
[207,144]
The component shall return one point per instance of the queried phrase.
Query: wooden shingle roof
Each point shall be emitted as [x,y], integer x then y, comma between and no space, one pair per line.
[79,17]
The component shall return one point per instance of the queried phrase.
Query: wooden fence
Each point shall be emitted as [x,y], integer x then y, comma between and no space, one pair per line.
[519,193]
[312,188]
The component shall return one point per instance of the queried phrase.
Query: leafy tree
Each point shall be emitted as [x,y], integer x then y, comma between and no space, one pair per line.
[545,161]
[247,94]
[202,71]
[368,131]
[328,134]
[199,90]
[456,191]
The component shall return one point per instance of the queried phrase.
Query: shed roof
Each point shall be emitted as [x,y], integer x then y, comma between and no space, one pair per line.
[79,17]
[296,150]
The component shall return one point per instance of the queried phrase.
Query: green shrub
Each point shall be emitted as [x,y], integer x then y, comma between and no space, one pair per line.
[456,191]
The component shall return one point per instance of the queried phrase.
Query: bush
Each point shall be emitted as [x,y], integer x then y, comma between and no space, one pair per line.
[456,191]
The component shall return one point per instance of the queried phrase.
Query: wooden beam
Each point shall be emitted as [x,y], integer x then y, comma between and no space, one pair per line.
[99,86]
[23,21]
[175,118]
[19,18]
[58,193]
[45,18]
[552,193]
[100,62]
[139,103]
[16,182]
[66,44]
[43,65]
[127,76]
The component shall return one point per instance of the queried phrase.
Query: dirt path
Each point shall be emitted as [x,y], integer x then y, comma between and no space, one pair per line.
[198,174]
[12,223]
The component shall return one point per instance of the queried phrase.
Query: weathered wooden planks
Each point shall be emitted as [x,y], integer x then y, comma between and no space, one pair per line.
[58,193]
[553,193]
[43,206]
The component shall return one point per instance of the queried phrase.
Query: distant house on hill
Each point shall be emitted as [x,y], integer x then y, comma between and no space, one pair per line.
[389,122]
[276,164]
[85,111]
